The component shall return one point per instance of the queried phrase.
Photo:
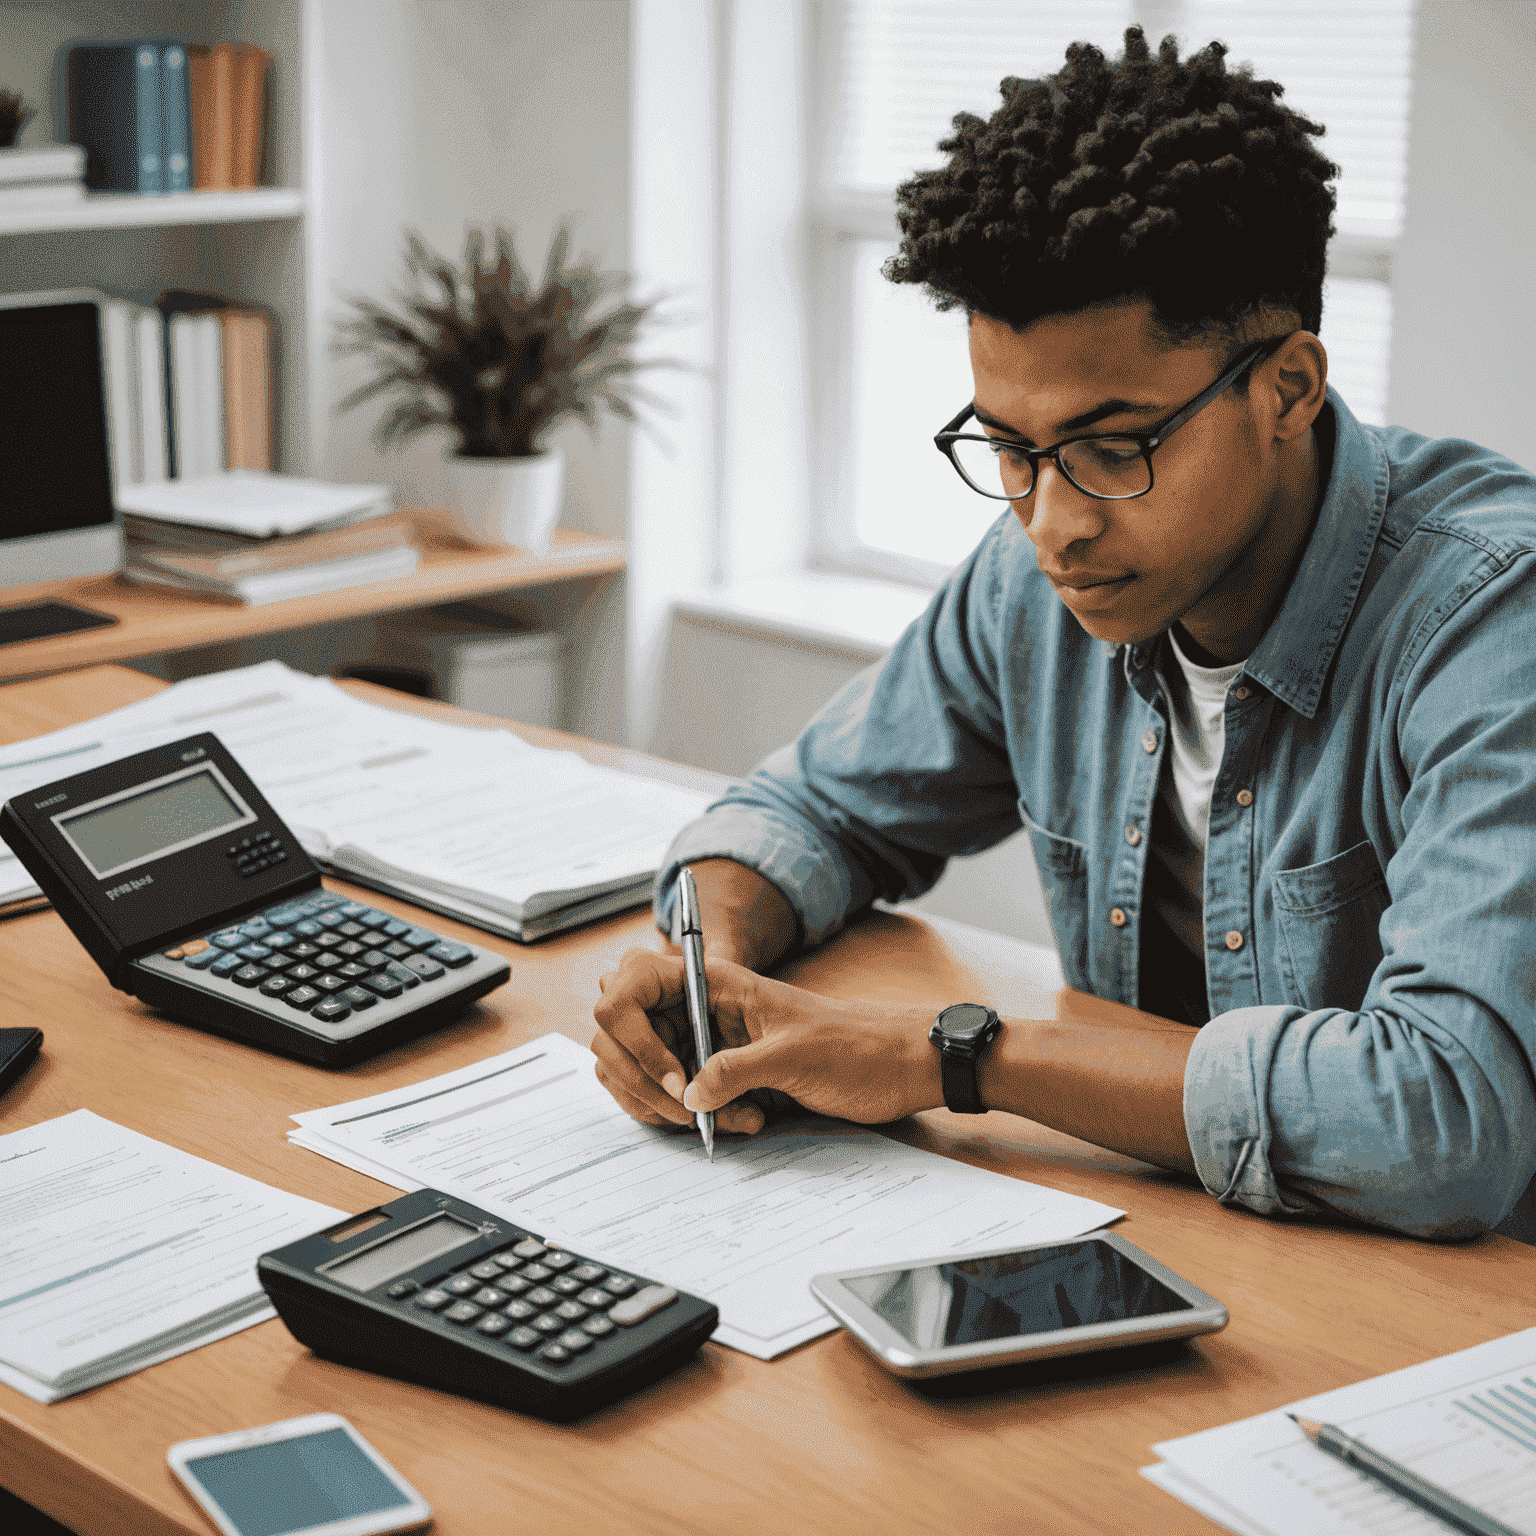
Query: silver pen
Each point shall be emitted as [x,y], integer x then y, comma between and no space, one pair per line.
[691,937]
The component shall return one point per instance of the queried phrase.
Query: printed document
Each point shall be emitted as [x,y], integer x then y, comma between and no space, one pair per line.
[1465,1422]
[117,1252]
[533,1137]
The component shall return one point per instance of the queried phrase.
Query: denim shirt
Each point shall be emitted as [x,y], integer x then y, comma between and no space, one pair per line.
[1370,878]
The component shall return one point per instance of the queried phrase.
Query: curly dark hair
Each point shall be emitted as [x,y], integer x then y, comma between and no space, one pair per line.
[1178,182]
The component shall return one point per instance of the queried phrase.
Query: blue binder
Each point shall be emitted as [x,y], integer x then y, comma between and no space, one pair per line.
[176,117]
[117,111]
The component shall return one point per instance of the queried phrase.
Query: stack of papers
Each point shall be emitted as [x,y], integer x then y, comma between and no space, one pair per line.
[531,1136]
[472,823]
[1465,1422]
[121,1252]
[251,504]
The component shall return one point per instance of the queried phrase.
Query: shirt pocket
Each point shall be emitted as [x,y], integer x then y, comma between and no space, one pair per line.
[1330,917]
[1063,866]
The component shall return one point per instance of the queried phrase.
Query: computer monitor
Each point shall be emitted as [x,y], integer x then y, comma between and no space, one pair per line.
[56,513]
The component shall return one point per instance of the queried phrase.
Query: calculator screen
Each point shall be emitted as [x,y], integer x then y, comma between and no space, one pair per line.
[397,1254]
[153,819]
[1039,1290]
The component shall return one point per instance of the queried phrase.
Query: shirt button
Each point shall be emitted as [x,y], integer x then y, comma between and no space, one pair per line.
[1245,797]
[1240,693]
[1133,835]
[1234,939]
[1117,916]
[1149,741]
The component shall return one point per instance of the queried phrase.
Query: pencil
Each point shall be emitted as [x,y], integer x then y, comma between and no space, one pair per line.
[1357,1454]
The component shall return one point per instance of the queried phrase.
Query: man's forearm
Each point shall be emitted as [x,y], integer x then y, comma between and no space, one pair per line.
[1117,1085]
[746,918]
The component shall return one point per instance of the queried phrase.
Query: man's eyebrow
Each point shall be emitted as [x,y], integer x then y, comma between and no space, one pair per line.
[1077,423]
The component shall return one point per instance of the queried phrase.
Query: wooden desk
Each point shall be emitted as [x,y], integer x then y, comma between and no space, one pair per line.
[819,1441]
[152,622]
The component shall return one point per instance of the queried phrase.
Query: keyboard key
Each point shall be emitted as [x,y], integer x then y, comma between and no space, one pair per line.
[514,1285]
[356,998]
[302,951]
[327,961]
[374,959]
[253,951]
[329,940]
[374,919]
[524,1338]
[453,955]
[567,1285]
[331,920]
[558,1260]
[490,1270]
[277,940]
[250,975]
[331,984]
[424,966]
[541,1296]
[575,1340]
[620,1285]
[407,979]
[394,928]
[555,1354]
[349,950]
[595,1298]
[571,1311]
[430,1301]
[232,938]
[643,1304]
[535,1272]
[330,1011]
[351,930]
[396,950]
[255,928]
[589,1273]
[463,1312]
[384,985]
[352,970]
[275,986]
[461,1285]
[225,964]
[419,938]
[547,1324]
[302,998]
[520,1311]
[308,928]
[493,1325]
[488,1296]
[598,1327]
[302,972]
[352,909]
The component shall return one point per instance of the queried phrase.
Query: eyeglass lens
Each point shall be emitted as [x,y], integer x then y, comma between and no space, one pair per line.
[1102,466]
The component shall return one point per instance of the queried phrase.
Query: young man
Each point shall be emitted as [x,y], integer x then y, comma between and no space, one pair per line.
[1260,682]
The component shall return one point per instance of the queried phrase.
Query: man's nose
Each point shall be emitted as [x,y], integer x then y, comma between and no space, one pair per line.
[1056,515]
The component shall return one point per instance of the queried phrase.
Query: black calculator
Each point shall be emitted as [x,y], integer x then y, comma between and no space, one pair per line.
[436,1290]
[193,896]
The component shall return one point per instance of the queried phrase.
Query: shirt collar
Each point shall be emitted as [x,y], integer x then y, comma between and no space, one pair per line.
[1293,658]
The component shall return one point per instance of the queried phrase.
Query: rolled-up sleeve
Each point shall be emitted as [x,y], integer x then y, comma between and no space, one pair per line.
[906,766]
[1418,1110]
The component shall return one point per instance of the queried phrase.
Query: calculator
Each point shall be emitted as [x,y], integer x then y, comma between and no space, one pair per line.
[436,1290]
[190,893]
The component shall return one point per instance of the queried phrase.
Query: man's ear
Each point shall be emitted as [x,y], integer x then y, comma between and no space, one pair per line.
[1297,378]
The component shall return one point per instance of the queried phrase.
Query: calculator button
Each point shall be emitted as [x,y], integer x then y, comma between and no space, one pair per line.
[249,975]
[309,928]
[394,927]
[595,1298]
[330,1011]
[556,1259]
[278,940]
[374,959]
[598,1327]
[328,961]
[396,950]
[565,1284]
[301,997]
[619,1285]
[407,979]
[255,865]
[430,1301]
[514,1285]
[355,997]
[203,958]
[575,1340]
[643,1304]
[535,1272]
[520,1311]
[493,1325]
[589,1273]
[231,939]
[253,951]
[331,920]
[490,1270]
[547,1324]
[541,1296]
[302,951]
[463,1312]
[384,985]
[529,1248]
[331,984]
[275,986]
[351,930]
[461,1285]
[401,1289]
[374,919]
[452,954]
[424,966]
[489,1296]
[225,964]
[571,1311]
[555,1354]
[419,938]
[523,1338]
[175,954]
[255,928]
[352,970]
[329,940]
[353,909]
[302,972]
[348,950]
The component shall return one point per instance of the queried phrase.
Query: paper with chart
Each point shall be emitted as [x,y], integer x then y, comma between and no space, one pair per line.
[374,790]
[1466,1422]
[117,1251]
[532,1136]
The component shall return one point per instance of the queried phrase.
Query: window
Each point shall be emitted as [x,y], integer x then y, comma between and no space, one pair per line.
[893,369]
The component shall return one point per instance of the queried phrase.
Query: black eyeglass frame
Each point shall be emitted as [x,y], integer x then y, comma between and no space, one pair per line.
[1146,441]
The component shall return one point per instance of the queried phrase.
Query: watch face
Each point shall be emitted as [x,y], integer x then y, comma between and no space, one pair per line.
[964,1022]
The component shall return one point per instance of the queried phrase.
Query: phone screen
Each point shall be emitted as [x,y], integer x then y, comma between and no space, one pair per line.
[1037,1291]
[290,1485]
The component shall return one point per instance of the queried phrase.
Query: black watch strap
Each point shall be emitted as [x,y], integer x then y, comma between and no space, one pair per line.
[961,1093]
[962,1032]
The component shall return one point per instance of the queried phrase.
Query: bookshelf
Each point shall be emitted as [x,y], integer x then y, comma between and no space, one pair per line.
[257,246]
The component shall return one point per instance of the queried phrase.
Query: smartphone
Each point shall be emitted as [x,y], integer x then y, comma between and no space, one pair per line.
[315,1474]
[18,1050]
[934,1317]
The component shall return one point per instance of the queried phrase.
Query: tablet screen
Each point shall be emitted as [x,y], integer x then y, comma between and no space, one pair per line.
[1038,1291]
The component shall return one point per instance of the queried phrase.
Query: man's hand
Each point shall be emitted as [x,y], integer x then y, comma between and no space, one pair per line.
[868,1062]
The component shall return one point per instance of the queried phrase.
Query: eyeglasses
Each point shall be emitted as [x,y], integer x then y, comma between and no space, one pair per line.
[1116,468]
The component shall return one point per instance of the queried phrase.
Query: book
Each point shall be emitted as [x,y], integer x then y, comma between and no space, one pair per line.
[115,113]
[149,358]
[45,163]
[253,588]
[17,195]
[246,335]
[175,118]
[250,113]
[120,372]
[254,505]
[228,88]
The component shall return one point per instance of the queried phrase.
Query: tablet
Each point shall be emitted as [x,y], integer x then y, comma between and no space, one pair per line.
[934,1317]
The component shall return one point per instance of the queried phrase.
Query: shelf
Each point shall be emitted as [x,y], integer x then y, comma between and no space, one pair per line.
[152,623]
[127,210]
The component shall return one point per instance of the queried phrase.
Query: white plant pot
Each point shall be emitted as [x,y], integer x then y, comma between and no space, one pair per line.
[503,502]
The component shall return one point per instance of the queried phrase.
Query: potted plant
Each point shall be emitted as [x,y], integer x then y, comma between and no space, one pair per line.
[478,350]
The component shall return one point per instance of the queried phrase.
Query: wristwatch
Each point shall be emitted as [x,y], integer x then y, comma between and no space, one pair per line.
[962,1032]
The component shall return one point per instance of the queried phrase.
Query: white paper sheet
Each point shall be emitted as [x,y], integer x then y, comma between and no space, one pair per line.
[116,1249]
[1465,1422]
[532,1136]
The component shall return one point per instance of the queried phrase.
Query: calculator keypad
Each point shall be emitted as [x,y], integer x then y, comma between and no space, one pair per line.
[324,955]
[503,1298]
